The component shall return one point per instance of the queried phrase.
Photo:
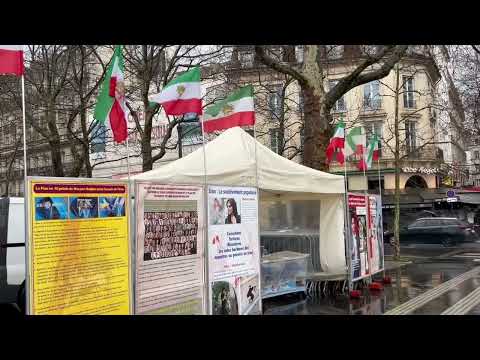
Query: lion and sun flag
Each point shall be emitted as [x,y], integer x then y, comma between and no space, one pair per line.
[180,96]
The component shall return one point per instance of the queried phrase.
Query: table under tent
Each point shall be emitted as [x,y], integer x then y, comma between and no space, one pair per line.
[301,209]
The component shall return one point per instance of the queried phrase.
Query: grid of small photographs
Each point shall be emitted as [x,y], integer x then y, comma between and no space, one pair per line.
[170,234]
[78,207]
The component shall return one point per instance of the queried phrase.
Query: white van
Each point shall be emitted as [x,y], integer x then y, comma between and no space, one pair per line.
[12,251]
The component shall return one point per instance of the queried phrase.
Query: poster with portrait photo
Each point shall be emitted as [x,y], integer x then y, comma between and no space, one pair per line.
[224,211]
[51,208]
[83,207]
[358,233]
[233,242]
[169,242]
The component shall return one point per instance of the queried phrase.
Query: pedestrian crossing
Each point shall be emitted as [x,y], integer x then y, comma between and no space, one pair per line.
[423,299]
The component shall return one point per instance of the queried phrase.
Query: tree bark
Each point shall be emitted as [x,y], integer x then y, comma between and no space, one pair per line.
[317,132]
[54,142]
[397,170]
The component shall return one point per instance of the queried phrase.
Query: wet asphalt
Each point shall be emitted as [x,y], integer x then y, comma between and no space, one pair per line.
[430,267]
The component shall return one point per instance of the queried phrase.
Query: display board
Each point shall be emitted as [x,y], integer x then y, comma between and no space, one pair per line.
[375,227]
[366,232]
[169,249]
[233,250]
[78,247]
[357,206]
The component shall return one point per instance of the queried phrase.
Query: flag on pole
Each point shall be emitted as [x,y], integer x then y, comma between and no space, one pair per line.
[236,110]
[337,144]
[111,99]
[11,60]
[181,95]
[372,151]
[356,144]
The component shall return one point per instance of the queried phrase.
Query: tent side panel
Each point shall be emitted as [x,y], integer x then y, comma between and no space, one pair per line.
[332,243]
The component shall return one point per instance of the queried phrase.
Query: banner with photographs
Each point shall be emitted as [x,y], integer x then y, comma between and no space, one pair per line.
[375,226]
[79,248]
[233,250]
[169,244]
[357,206]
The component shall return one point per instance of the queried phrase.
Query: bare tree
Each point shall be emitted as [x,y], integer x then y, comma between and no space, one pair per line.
[150,68]
[318,102]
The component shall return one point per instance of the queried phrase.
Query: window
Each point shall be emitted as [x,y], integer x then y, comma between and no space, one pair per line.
[340,105]
[410,136]
[274,140]
[408,92]
[299,52]
[98,138]
[246,59]
[418,223]
[275,102]
[476,155]
[371,95]
[191,134]
[375,127]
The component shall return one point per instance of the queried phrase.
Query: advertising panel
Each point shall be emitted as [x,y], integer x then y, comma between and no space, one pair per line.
[79,248]
[169,249]
[357,206]
[233,246]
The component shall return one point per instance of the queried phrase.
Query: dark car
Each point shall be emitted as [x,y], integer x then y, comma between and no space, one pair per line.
[435,230]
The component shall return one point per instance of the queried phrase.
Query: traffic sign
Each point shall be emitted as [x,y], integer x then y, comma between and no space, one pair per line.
[450,193]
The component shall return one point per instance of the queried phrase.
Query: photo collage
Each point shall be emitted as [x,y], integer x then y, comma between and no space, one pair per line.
[78,207]
[170,234]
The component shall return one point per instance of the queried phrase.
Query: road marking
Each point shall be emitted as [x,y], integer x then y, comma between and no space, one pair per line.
[419,301]
[463,306]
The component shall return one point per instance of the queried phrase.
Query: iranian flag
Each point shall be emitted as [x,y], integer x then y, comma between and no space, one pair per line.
[356,144]
[372,151]
[11,60]
[182,95]
[111,100]
[236,110]
[337,143]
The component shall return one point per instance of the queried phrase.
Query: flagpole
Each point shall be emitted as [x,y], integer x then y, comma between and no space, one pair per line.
[347,231]
[25,202]
[206,256]
[258,197]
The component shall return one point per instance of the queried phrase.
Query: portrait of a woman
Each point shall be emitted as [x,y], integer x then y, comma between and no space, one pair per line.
[232,213]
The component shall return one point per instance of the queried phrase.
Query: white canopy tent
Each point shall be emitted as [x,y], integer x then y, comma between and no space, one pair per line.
[231,161]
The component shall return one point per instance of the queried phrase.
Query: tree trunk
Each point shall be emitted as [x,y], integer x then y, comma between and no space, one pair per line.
[397,172]
[147,163]
[317,117]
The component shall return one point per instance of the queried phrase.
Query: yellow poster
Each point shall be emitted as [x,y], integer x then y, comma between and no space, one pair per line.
[79,247]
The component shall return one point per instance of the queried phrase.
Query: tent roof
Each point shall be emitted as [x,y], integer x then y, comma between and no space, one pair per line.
[230,160]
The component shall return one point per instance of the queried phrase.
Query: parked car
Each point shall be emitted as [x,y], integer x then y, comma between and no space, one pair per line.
[12,252]
[435,230]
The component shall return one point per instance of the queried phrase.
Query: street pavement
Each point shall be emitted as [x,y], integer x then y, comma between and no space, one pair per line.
[416,285]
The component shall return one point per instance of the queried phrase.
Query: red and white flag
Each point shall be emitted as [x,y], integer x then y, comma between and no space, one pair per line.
[11,60]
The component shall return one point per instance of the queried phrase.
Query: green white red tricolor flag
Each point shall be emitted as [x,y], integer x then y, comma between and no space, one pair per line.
[337,143]
[182,95]
[11,60]
[356,144]
[372,151]
[111,99]
[236,110]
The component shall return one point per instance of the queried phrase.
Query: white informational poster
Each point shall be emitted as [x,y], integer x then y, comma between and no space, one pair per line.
[233,248]
[170,249]
[375,222]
